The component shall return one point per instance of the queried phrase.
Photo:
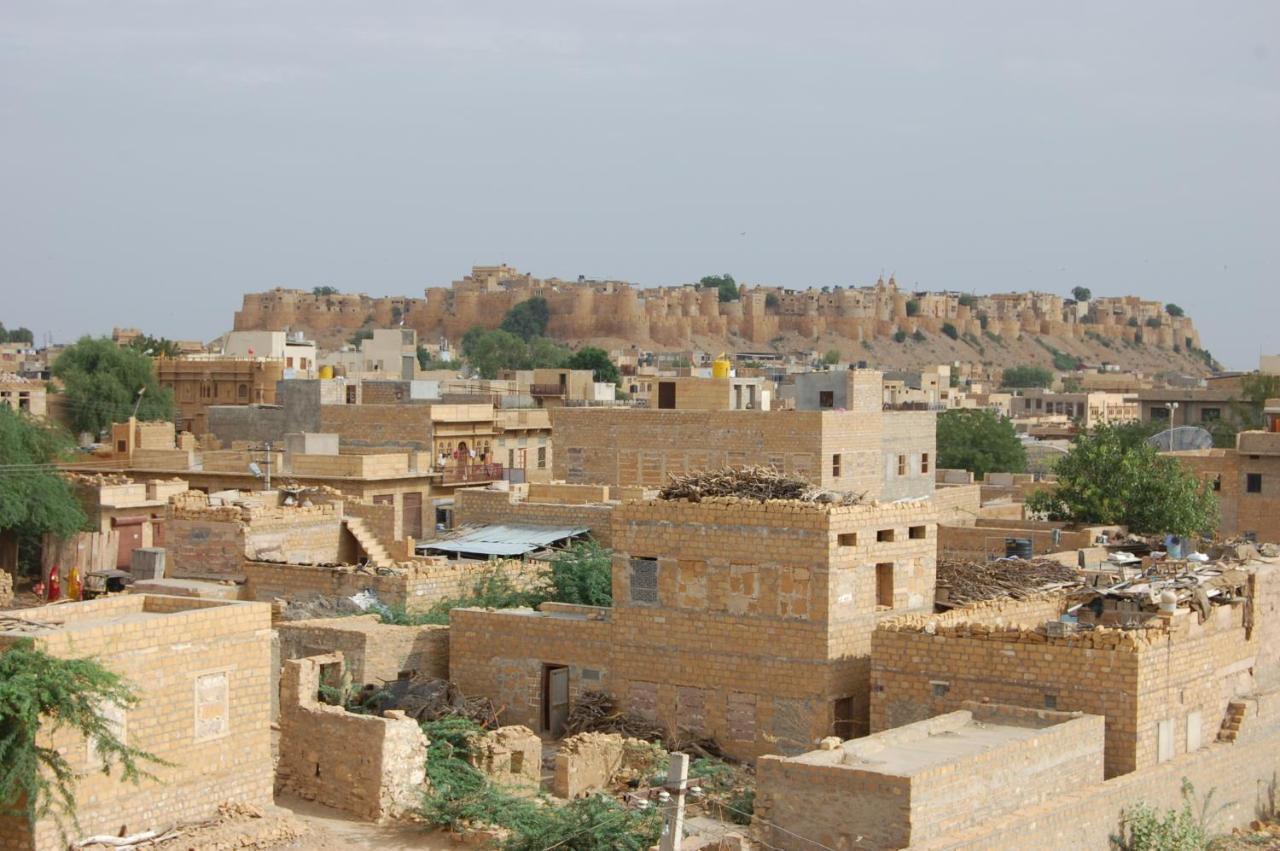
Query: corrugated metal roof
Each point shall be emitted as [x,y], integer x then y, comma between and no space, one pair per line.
[502,539]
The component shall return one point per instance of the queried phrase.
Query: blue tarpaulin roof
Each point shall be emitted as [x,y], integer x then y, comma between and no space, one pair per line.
[503,539]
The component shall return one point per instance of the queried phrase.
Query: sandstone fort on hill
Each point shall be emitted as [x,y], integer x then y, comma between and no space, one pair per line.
[861,322]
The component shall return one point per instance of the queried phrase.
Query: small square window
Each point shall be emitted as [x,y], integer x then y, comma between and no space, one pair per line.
[918,533]
[940,689]
[1050,701]
[885,536]
[826,399]
[848,539]
[1253,483]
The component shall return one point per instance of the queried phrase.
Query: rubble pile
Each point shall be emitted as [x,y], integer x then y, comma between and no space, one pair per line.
[971,581]
[756,483]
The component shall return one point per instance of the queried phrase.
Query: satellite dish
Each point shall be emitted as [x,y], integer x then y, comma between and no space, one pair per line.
[255,469]
[1181,439]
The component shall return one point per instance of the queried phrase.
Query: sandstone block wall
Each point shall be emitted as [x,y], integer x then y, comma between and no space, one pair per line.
[372,767]
[509,756]
[833,796]
[483,506]
[374,652]
[202,671]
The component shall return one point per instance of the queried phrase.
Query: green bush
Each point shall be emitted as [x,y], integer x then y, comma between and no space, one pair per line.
[582,574]
[900,336]
[950,330]
[1026,376]
[913,307]
[919,336]
[1142,828]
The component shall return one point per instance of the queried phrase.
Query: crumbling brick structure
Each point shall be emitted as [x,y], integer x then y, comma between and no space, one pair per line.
[374,652]
[508,756]
[372,767]
[201,669]
[743,621]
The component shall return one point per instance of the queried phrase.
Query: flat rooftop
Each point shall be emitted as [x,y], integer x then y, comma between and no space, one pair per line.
[115,610]
[942,740]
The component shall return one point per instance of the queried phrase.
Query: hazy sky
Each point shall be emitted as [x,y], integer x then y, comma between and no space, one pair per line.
[158,159]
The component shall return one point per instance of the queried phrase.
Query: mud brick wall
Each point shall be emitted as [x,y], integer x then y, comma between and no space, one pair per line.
[372,767]
[216,548]
[483,506]
[202,671]
[200,549]
[824,798]
[374,652]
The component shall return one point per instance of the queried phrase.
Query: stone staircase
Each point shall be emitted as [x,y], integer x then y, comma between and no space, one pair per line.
[1232,720]
[373,548]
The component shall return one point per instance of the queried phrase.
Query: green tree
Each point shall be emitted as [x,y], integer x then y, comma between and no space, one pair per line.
[156,347]
[1153,322]
[323,291]
[913,307]
[17,335]
[950,330]
[1081,293]
[40,694]
[967,300]
[597,360]
[1173,310]
[426,362]
[1026,376]
[34,499]
[528,319]
[545,353]
[771,301]
[725,283]
[490,352]
[979,441]
[582,574]
[360,335]
[1065,362]
[102,382]
[1112,475]
[918,336]
[832,357]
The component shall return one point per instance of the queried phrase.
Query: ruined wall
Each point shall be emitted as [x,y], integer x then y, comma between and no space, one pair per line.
[374,652]
[372,767]
[205,543]
[201,671]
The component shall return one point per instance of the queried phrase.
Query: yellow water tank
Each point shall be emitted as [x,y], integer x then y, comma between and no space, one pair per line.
[720,367]
[326,372]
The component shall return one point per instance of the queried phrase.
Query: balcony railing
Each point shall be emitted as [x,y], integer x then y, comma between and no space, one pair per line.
[546,390]
[471,473]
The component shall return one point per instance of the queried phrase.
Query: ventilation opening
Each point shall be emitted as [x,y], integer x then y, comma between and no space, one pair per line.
[885,536]
[917,533]
[848,539]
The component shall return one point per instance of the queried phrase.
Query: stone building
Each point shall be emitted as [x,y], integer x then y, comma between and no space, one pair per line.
[22,394]
[1085,409]
[744,621]
[199,383]
[885,455]
[201,669]
[1246,480]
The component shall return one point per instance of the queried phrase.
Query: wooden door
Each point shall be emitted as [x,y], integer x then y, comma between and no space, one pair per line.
[411,511]
[666,394]
[130,530]
[555,699]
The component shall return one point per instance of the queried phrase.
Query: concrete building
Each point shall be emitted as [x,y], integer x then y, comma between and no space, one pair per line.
[296,354]
[1086,410]
[390,352]
[550,388]
[202,671]
[743,621]
[22,394]
[1188,407]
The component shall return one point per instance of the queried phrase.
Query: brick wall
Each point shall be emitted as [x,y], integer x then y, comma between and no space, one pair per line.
[959,505]
[213,543]
[201,669]
[849,797]
[480,505]
[374,652]
[372,767]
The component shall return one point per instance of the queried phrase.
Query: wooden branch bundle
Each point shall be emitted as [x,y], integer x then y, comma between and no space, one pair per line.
[971,581]
[596,712]
[758,483]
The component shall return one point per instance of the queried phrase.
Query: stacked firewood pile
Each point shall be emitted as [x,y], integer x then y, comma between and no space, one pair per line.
[971,581]
[756,483]
[596,712]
